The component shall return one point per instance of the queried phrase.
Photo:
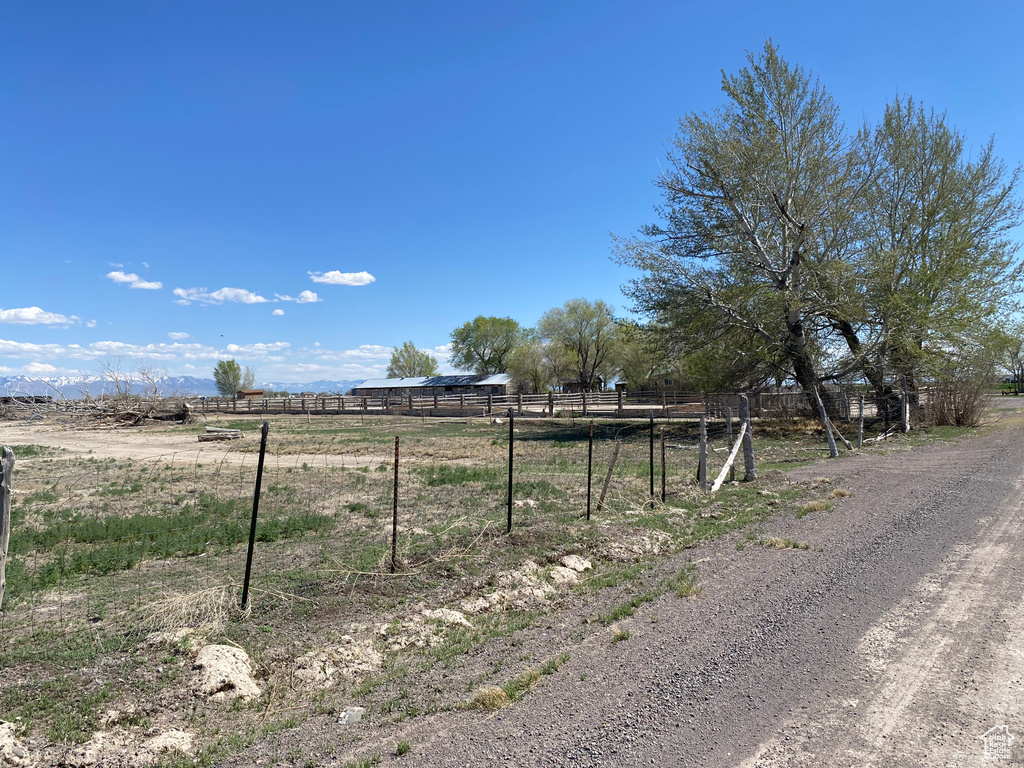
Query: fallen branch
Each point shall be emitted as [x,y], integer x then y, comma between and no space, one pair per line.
[886,436]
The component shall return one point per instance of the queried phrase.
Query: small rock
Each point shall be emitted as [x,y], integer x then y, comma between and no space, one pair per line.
[13,753]
[576,563]
[447,616]
[561,575]
[352,715]
[225,674]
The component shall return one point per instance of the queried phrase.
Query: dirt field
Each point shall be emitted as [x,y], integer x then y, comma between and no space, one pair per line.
[819,616]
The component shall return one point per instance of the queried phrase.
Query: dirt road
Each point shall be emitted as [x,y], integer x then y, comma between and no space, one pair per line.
[896,639]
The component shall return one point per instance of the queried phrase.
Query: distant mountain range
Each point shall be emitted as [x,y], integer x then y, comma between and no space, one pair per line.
[77,387]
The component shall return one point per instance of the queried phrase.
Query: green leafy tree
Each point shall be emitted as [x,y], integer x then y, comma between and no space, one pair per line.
[758,219]
[581,342]
[485,344]
[788,247]
[937,265]
[529,366]
[230,377]
[407,361]
[644,353]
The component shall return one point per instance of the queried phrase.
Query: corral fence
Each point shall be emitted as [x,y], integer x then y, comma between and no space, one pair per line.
[843,404]
[772,403]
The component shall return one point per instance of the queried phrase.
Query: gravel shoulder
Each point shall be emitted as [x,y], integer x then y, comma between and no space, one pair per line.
[895,639]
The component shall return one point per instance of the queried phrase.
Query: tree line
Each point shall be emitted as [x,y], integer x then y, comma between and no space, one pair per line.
[578,344]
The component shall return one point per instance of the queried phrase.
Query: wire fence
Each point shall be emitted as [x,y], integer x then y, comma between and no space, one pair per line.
[159,542]
[154,543]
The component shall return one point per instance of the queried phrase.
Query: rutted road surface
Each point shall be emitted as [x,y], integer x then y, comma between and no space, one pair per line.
[896,640]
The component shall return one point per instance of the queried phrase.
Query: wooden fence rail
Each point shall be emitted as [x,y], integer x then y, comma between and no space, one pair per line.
[668,405]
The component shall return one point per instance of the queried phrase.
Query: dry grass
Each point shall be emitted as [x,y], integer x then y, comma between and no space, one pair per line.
[207,610]
[815,506]
[781,543]
[490,698]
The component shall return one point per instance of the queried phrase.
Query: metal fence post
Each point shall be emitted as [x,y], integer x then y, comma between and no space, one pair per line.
[652,458]
[255,513]
[590,464]
[860,424]
[702,462]
[511,443]
[662,465]
[394,514]
[728,440]
[750,469]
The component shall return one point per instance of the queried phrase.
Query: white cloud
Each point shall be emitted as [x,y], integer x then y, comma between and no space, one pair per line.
[90,323]
[177,335]
[306,297]
[35,316]
[334,277]
[38,368]
[134,281]
[277,312]
[364,352]
[273,361]
[235,295]
[176,352]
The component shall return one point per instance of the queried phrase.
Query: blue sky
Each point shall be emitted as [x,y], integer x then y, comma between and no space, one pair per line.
[303,186]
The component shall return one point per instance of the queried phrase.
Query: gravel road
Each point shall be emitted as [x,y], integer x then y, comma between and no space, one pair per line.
[896,639]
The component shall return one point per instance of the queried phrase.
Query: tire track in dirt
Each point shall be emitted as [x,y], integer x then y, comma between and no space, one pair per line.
[938,683]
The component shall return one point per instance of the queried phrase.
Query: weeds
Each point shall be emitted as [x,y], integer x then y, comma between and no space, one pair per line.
[684,584]
[624,610]
[814,506]
[490,698]
[779,543]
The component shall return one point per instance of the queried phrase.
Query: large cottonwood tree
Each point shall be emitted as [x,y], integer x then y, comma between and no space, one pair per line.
[758,216]
[485,344]
[817,252]
[580,341]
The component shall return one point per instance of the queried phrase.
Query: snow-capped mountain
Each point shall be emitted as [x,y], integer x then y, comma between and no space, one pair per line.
[77,387]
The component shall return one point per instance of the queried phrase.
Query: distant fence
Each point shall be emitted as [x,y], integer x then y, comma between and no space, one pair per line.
[844,404]
[634,405]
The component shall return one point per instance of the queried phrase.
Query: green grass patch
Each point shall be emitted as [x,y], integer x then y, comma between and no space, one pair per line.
[684,583]
[100,545]
[456,474]
[31,451]
[626,609]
